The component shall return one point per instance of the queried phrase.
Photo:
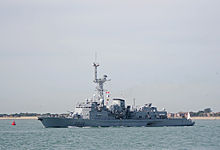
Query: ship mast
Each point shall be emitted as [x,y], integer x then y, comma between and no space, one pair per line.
[99,83]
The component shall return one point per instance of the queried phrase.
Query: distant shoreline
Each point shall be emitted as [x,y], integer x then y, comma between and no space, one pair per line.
[35,118]
[19,118]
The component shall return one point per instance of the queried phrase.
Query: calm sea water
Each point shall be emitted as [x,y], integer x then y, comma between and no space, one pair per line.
[30,134]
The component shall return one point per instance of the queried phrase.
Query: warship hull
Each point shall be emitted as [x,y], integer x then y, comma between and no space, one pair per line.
[61,122]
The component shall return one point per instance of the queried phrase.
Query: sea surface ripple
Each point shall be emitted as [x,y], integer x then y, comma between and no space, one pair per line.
[31,135]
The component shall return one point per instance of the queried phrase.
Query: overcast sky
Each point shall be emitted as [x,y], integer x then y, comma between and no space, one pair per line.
[162,51]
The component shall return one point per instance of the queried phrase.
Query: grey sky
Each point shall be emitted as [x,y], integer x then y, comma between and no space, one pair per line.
[166,52]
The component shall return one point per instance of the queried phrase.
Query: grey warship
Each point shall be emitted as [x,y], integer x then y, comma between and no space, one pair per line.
[101,111]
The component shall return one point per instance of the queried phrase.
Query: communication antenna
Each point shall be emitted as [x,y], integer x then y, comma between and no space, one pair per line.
[95,64]
[100,82]
[134,102]
[95,57]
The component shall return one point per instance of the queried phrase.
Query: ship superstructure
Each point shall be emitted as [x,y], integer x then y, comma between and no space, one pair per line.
[94,112]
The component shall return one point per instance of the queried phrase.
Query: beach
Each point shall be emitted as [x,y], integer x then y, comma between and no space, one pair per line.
[205,118]
[20,118]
